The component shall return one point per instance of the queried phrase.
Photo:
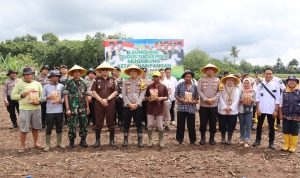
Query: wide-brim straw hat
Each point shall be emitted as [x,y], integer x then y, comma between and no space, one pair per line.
[77,67]
[236,80]
[139,70]
[156,74]
[105,65]
[215,68]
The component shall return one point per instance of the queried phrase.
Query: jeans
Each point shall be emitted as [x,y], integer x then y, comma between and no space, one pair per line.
[181,118]
[245,126]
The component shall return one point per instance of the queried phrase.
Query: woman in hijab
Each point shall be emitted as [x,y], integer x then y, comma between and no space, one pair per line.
[247,99]
[228,106]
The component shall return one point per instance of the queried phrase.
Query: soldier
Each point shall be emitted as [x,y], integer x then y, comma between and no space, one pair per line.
[290,108]
[77,105]
[208,90]
[53,94]
[43,79]
[28,92]
[11,105]
[133,92]
[89,80]
[104,90]
[156,94]
[119,100]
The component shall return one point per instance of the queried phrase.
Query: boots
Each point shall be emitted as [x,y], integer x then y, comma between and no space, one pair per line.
[48,139]
[293,143]
[286,145]
[112,138]
[97,134]
[125,143]
[150,143]
[83,142]
[223,141]
[229,139]
[140,140]
[202,140]
[59,141]
[161,139]
[212,139]
[71,144]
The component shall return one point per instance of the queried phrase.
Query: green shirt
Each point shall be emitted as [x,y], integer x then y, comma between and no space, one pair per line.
[23,87]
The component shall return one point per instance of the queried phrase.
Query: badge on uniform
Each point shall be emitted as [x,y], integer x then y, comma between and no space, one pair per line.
[274,90]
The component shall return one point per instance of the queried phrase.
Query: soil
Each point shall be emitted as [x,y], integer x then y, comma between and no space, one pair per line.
[172,161]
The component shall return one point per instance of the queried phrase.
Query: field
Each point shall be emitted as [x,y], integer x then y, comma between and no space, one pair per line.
[173,161]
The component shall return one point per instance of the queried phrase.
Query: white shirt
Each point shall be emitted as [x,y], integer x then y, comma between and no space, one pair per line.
[235,102]
[174,82]
[170,87]
[266,102]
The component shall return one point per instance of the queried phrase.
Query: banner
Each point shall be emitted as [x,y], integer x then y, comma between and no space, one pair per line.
[153,54]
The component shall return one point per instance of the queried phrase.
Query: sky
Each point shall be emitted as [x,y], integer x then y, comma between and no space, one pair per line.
[263,30]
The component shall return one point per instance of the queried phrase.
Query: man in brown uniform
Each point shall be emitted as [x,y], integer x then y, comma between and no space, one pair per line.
[133,93]
[104,90]
[208,89]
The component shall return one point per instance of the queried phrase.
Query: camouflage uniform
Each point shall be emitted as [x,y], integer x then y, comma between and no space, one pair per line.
[76,91]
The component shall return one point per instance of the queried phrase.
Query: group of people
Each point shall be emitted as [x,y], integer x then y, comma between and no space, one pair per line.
[64,95]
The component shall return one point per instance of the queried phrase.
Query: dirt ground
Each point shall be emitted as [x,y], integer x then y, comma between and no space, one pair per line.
[173,161]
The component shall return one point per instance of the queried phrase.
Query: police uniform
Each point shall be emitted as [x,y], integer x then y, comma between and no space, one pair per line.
[267,105]
[119,101]
[89,82]
[208,88]
[133,92]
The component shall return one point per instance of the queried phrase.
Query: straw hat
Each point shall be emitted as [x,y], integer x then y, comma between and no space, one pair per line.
[156,74]
[215,68]
[105,65]
[139,71]
[76,67]
[236,80]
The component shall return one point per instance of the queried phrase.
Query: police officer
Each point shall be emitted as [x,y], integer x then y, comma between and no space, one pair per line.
[267,102]
[133,92]
[89,80]
[104,90]
[208,89]
[119,100]
[44,80]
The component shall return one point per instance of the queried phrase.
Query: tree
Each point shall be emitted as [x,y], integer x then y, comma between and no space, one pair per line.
[245,66]
[279,67]
[50,39]
[234,52]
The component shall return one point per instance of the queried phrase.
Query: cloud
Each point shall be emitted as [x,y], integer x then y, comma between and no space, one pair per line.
[262,30]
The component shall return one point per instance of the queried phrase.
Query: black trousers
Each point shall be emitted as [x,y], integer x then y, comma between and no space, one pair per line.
[181,118]
[260,123]
[11,108]
[137,117]
[43,106]
[227,123]
[208,114]
[119,111]
[290,127]
[172,112]
[144,107]
[91,117]
[54,118]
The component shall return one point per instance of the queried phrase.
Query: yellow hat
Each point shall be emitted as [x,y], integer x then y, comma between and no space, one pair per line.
[215,68]
[76,67]
[105,65]
[156,74]
[139,71]
[236,80]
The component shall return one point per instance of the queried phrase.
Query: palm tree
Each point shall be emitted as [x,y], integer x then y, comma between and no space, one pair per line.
[234,52]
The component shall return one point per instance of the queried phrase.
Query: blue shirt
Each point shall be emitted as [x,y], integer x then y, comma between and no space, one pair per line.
[47,91]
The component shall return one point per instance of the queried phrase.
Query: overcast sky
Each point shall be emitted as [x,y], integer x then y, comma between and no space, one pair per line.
[263,30]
